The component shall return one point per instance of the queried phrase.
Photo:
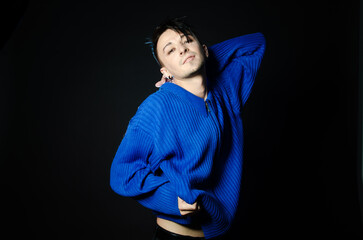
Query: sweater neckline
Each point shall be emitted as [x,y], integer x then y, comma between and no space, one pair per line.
[197,102]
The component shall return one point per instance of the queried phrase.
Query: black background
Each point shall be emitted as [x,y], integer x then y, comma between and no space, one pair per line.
[74,72]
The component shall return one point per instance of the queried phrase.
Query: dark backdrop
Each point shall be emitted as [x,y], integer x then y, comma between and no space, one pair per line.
[74,72]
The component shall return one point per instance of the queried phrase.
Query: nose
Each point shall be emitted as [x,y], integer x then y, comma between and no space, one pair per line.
[183,50]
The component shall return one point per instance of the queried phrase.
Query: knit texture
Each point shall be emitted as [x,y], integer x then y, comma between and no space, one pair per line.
[177,144]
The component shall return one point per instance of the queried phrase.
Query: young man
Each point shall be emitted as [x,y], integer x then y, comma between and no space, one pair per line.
[181,155]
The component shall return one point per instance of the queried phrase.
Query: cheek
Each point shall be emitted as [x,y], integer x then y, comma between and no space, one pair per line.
[173,62]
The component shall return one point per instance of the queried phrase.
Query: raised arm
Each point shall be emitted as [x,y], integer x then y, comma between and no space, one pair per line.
[249,45]
[236,62]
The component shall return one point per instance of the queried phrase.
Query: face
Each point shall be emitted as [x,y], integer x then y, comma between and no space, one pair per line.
[182,57]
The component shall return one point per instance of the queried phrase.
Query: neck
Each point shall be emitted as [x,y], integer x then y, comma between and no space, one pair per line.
[195,85]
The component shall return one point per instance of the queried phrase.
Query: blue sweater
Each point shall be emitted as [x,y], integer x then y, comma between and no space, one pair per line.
[177,144]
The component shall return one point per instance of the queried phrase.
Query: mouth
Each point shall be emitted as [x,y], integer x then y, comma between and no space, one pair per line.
[188,59]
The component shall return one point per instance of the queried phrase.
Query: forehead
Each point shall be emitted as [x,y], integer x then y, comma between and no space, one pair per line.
[168,36]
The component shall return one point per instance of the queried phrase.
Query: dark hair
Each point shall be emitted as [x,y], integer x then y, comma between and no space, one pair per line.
[176,24]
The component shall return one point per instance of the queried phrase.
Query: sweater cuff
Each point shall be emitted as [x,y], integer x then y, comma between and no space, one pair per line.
[164,200]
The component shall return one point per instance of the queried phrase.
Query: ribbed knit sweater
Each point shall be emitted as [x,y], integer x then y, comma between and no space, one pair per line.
[178,144]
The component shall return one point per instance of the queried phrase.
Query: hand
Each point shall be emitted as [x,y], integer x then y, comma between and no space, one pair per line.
[163,80]
[186,208]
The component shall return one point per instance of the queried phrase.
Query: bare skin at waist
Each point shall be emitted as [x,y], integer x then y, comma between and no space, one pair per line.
[179,229]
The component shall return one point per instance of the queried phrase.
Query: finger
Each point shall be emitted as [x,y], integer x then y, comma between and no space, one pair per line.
[161,82]
[188,207]
[183,213]
[189,212]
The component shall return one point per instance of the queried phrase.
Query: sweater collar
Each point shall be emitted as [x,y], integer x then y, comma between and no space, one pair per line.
[197,102]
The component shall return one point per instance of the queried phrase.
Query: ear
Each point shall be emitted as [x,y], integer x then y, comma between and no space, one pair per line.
[205,50]
[165,72]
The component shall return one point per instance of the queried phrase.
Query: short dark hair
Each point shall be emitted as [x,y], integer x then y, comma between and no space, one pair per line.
[176,24]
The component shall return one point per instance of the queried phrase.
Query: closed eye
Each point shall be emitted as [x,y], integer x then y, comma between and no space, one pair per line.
[171,51]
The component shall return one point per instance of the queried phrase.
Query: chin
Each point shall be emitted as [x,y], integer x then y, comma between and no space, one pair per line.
[196,69]
[193,73]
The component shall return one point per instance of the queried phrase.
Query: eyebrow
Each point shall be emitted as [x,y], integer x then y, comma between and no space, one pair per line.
[181,37]
[166,46]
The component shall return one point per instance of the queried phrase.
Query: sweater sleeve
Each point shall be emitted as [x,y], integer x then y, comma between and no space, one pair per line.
[236,62]
[131,174]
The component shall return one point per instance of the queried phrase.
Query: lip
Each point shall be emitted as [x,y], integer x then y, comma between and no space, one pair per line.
[189,58]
